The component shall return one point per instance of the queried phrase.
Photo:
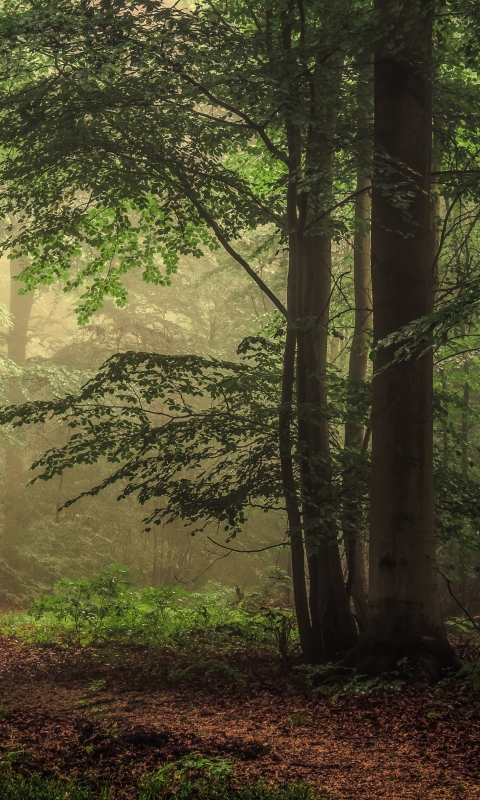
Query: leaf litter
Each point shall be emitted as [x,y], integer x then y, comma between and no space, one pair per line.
[113,714]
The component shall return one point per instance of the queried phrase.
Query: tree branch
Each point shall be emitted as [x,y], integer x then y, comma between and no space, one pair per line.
[255,126]
[233,253]
[260,550]
[449,587]
[341,203]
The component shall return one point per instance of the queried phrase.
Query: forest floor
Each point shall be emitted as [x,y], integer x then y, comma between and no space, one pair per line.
[110,713]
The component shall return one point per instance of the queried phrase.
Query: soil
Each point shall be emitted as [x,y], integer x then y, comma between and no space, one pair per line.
[111,714]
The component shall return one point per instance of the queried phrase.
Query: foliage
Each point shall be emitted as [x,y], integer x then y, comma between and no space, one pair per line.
[159,132]
[180,440]
[5,317]
[199,434]
[36,787]
[335,681]
[194,777]
[282,624]
[198,778]
[469,675]
[105,608]
[190,316]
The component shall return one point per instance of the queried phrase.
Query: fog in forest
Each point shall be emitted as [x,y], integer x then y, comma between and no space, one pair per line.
[239,400]
[207,309]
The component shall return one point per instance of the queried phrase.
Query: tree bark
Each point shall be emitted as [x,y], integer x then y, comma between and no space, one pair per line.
[155,558]
[285,442]
[326,624]
[356,547]
[332,622]
[404,617]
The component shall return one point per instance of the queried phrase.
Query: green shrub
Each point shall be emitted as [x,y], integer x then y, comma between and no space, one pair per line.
[197,778]
[192,778]
[40,788]
[106,608]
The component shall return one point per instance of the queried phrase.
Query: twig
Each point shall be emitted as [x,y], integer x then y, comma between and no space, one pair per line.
[203,571]
[449,587]
[260,550]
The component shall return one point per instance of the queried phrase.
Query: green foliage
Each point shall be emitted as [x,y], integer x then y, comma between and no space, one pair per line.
[199,438]
[190,778]
[94,606]
[37,787]
[105,608]
[159,132]
[200,435]
[335,681]
[282,624]
[198,778]
[181,442]
[194,777]
[469,675]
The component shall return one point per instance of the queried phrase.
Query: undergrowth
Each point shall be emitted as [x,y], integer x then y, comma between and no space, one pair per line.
[106,608]
[192,778]
[207,633]
[343,682]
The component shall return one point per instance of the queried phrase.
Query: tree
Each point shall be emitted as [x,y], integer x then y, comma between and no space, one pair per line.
[404,617]
[131,133]
[356,436]
[137,131]
[15,470]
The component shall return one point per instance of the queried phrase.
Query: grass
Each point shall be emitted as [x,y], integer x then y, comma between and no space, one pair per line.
[191,778]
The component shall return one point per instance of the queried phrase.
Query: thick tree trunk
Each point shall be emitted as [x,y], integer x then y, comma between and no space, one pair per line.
[404,617]
[356,547]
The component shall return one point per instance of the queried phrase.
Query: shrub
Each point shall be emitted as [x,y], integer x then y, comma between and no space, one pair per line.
[192,778]
[106,608]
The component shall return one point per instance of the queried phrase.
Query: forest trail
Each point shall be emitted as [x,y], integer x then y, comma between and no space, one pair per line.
[80,713]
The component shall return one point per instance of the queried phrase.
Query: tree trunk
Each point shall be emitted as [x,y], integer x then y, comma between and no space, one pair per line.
[325,622]
[286,462]
[465,421]
[155,558]
[20,309]
[332,622]
[404,617]
[356,548]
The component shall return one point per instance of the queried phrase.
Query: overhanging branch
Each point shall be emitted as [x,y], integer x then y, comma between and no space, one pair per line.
[233,253]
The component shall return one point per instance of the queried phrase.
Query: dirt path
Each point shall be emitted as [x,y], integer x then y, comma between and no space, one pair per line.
[79,713]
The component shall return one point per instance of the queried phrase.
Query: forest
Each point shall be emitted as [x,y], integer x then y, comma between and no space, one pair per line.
[239,399]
